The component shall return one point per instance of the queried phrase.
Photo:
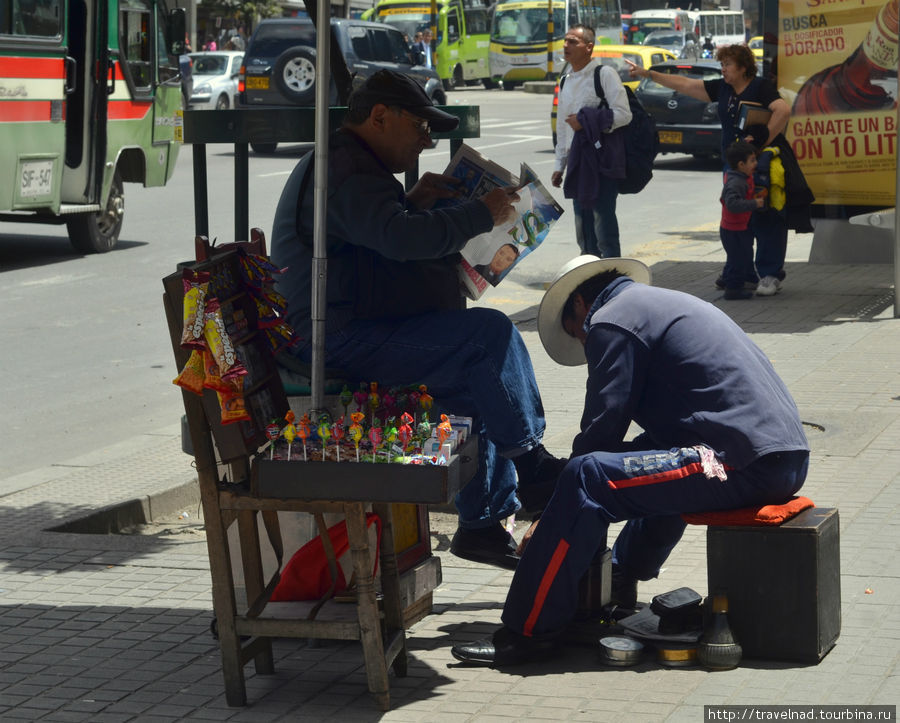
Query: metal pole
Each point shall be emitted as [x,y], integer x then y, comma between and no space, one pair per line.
[897,228]
[549,39]
[320,180]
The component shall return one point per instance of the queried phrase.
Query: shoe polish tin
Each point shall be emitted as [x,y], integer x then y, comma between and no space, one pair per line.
[677,656]
[620,651]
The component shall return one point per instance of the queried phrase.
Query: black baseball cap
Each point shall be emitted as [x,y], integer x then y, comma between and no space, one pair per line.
[396,89]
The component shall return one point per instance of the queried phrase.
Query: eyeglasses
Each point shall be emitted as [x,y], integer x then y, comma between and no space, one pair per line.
[420,124]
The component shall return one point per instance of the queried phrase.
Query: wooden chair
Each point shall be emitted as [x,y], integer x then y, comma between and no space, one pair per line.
[241,487]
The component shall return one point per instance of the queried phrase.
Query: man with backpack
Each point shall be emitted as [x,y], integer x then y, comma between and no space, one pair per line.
[592,156]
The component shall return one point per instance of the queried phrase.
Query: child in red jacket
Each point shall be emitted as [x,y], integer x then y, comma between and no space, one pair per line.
[738,202]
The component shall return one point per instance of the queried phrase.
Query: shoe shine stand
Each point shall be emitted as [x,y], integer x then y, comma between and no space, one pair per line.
[241,487]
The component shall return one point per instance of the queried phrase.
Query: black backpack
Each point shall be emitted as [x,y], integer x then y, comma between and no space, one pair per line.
[641,139]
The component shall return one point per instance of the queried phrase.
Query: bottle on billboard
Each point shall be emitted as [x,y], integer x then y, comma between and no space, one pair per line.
[850,85]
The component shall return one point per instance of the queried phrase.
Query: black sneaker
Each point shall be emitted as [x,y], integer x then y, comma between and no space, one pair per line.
[749,284]
[734,294]
[489,545]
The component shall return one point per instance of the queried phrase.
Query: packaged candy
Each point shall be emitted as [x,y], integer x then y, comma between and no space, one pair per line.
[219,343]
[195,288]
[193,374]
[211,378]
[232,405]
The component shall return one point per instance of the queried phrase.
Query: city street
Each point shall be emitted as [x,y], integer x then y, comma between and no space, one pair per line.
[86,334]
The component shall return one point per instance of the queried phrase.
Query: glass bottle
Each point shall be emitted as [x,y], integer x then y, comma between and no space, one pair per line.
[718,650]
[848,86]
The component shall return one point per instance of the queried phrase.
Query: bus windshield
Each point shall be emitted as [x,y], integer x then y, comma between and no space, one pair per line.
[407,20]
[526,25]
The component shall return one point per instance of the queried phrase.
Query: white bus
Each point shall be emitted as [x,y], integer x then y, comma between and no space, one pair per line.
[726,27]
[644,22]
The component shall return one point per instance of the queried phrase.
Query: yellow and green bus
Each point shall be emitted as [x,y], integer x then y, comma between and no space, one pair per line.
[527,42]
[90,97]
[461,39]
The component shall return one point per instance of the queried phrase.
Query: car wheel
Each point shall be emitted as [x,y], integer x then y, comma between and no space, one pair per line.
[263,147]
[98,232]
[222,102]
[295,74]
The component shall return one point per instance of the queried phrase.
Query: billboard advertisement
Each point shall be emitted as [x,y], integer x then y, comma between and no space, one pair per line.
[837,68]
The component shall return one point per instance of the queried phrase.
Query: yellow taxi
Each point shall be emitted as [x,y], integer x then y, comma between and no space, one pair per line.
[615,55]
[756,46]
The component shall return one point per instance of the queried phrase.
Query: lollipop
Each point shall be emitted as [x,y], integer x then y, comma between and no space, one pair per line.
[405,431]
[375,437]
[289,433]
[374,400]
[425,399]
[272,432]
[346,397]
[423,429]
[356,430]
[303,432]
[390,436]
[389,399]
[444,429]
[337,431]
[361,395]
[324,432]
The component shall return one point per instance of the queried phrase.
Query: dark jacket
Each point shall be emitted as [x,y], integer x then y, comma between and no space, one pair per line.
[593,153]
[737,201]
[386,258]
[686,373]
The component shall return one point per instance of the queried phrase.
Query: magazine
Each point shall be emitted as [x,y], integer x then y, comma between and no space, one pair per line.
[489,257]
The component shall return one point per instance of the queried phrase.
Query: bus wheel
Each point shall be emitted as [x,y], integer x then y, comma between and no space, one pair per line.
[457,81]
[97,233]
[508,85]
[488,83]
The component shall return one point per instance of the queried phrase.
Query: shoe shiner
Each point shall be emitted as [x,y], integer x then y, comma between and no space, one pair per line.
[720,431]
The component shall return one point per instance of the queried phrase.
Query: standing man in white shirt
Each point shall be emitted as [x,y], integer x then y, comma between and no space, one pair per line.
[592,156]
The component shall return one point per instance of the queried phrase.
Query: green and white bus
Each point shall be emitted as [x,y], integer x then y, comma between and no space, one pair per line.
[90,97]
[520,30]
[461,37]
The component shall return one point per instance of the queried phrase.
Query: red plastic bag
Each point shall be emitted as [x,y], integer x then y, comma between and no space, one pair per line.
[306,576]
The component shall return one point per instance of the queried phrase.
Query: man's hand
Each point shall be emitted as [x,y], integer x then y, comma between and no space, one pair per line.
[526,538]
[500,203]
[432,186]
[572,121]
[556,179]
[635,71]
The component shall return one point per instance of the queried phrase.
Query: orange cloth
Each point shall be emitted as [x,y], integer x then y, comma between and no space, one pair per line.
[751,516]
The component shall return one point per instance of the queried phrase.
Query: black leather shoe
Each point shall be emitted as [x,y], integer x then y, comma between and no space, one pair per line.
[504,648]
[489,545]
[623,589]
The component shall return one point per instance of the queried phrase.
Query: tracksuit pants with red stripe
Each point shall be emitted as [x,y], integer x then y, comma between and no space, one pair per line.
[650,489]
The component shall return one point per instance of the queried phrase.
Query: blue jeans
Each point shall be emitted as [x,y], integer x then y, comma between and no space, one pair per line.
[771,233]
[475,364]
[738,247]
[650,489]
[596,227]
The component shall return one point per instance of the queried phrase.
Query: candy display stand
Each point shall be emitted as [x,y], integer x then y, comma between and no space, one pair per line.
[240,486]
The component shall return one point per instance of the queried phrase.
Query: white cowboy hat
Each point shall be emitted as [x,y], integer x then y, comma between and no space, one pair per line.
[562,348]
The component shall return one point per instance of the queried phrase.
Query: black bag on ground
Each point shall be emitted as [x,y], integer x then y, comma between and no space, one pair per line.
[641,139]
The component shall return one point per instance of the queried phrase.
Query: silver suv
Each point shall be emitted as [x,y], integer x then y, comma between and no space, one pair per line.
[280,62]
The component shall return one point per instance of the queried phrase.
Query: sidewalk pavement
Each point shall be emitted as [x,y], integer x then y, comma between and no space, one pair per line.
[98,627]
